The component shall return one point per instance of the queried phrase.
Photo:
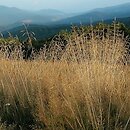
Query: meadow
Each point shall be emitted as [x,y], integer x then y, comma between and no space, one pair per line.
[85,86]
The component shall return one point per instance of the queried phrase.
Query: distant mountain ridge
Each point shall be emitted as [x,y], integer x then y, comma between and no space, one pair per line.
[50,12]
[100,14]
[11,15]
[47,22]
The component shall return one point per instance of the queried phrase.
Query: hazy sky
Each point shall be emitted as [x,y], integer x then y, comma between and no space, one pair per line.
[63,5]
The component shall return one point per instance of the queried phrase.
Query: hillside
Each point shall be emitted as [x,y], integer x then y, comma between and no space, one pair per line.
[64,71]
[41,31]
[78,82]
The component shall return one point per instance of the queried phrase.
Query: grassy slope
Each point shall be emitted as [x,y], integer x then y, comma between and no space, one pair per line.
[88,89]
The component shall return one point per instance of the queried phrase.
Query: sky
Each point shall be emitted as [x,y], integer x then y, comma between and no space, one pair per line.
[72,6]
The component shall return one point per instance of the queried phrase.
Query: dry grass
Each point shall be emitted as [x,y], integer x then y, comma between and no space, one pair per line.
[87,89]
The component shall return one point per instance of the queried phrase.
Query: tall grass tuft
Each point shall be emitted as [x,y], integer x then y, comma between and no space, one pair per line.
[85,86]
